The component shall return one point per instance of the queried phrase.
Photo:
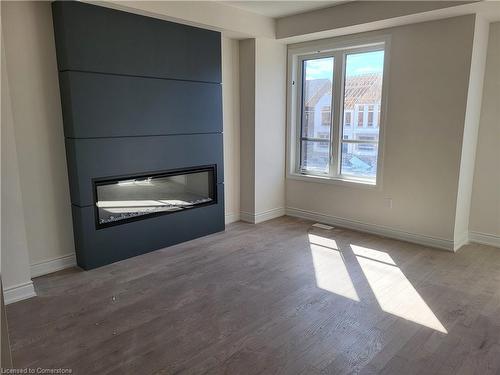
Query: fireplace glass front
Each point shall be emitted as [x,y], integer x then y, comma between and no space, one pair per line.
[135,197]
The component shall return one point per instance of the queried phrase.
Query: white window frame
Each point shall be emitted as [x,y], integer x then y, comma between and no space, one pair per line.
[338,49]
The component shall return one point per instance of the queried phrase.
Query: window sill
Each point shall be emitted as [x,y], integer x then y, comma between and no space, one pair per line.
[342,181]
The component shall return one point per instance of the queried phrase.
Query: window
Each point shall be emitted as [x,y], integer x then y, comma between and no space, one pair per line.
[333,89]
[370,116]
[361,116]
[315,144]
[347,118]
[363,84]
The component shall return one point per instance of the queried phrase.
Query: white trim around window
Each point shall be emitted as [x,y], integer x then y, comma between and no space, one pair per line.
[338,48]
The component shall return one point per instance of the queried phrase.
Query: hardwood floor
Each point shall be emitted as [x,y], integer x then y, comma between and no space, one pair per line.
[274,298]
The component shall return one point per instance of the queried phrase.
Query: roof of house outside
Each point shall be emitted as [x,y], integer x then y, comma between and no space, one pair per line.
[315,89]
[360,89]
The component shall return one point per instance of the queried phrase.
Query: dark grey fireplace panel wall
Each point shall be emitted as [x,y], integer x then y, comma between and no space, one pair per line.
[116,243]
[114,106]
[98,39]
[139,95]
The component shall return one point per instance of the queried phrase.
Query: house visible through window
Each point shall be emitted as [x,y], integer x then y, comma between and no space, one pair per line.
[347,119]
[325,116]
[328,145]
[370,116]
[366,147]
[309,120]
[345,145]
[361,116]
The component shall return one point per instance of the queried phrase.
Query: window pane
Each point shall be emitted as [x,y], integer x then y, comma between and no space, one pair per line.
[317,98]
[362,97]
[315,156]
[359,159]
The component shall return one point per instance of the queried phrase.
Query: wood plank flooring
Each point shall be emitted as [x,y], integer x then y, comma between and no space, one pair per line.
[274,298]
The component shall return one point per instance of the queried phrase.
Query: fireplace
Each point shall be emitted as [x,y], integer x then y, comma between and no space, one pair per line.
[142,109]
[134,197]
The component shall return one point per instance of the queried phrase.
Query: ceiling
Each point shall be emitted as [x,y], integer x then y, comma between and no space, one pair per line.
[276,9]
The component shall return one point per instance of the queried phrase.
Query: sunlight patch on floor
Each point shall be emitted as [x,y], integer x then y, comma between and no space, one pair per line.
[329,267]
[372,254]
[394,292]
[322,241]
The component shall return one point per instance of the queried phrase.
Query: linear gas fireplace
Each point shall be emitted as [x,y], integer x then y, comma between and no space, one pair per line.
[142,108]
[135,197]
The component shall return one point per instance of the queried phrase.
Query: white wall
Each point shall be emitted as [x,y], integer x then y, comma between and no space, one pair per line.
[15,260]
[38,130]
[231,119]
[427,95]
[471,128]
[270,104]
[485,210]
[262,105]
[247,126]
[353,14]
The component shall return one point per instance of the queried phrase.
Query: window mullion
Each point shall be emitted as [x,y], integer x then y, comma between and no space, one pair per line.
[336,113]
[314,139]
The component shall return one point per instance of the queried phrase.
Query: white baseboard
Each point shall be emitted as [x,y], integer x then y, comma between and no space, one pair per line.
[247,217]
[232,217]
[484,239]
[461,240]
[380,230]
[19,292]
[53,265]
[262,216]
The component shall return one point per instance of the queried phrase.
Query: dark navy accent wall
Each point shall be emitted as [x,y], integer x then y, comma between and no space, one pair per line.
[139,95]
